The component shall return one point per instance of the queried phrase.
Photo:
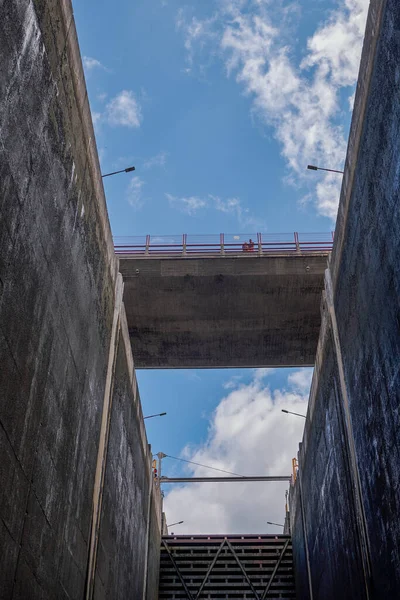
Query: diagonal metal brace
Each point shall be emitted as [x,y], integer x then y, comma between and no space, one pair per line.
[210,568]
[263,597]
[185,587]
[235,556]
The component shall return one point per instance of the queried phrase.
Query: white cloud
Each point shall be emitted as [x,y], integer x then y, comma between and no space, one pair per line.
[159,160]
[335,46]
[234,207]
[249,435]
[189,205]
[301,380]
[134,193]
[96,118]
[196,31]
[232,383]
[124,110]
[92,63]
[300,102]
[351,101]
[260,373]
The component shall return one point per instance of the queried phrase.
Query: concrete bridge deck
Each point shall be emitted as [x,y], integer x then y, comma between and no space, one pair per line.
[215,306]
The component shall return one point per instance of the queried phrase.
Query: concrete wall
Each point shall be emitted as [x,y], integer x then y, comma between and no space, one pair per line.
[346,508]
[127,534]
[57,281]
[153,561]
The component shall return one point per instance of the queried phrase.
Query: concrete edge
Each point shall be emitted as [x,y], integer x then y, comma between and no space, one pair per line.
[319,361]
[132,377]
[367,67]
[79,84]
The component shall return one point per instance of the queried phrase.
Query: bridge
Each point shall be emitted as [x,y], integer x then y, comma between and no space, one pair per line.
[228,300]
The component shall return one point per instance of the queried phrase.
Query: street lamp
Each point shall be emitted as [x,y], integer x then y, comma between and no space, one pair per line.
[277,524]
[158,415]
[314,168]
[127,170]
[289,412]
[177,523]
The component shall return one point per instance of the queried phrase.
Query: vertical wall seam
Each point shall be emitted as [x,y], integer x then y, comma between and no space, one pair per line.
[103,441]
[349,436]
[303,520]
[146,555]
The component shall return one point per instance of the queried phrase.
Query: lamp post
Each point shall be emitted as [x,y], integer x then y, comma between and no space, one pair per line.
[177,523]
[157,415]
[314,168]
[127,170]
[277,524]
[289,412]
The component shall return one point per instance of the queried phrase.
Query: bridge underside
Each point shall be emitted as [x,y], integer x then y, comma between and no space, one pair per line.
[236,311]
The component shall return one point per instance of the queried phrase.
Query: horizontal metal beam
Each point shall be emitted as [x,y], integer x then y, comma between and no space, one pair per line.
[224,479]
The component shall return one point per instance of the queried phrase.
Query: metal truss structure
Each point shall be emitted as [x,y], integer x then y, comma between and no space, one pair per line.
[234,566]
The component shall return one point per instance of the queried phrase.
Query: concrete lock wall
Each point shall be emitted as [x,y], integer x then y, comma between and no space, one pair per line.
[58,328]
[349,460]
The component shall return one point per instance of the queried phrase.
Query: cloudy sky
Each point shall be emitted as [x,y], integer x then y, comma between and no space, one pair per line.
[220,105]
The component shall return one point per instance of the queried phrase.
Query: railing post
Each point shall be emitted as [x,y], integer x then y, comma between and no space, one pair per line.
[147,245]
[221,241]
[296,240]
[259,242]
[184,238]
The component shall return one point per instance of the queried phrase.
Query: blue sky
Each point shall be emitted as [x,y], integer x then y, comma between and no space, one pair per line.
[220,105]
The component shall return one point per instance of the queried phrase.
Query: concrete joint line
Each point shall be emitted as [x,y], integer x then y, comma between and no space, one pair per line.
[146,556]
[344,411]
[303,520]
[103,440]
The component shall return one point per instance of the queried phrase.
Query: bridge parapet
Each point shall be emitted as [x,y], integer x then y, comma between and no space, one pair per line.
[223,244]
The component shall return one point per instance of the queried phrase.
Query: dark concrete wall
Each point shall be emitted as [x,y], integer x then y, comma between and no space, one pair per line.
[57,279]
[298,546]
[153,559]
[125,533]
[366,281]
[259,311]
[329,515]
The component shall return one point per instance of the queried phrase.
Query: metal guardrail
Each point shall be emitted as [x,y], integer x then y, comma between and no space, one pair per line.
[256,244]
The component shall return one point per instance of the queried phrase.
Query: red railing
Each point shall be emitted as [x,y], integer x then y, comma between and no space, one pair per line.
[256,244]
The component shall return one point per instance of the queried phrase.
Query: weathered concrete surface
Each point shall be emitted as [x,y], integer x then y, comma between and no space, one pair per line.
[126,535]
[153,559]
[224,312]
[328,510]
[57,276]
[366,281]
